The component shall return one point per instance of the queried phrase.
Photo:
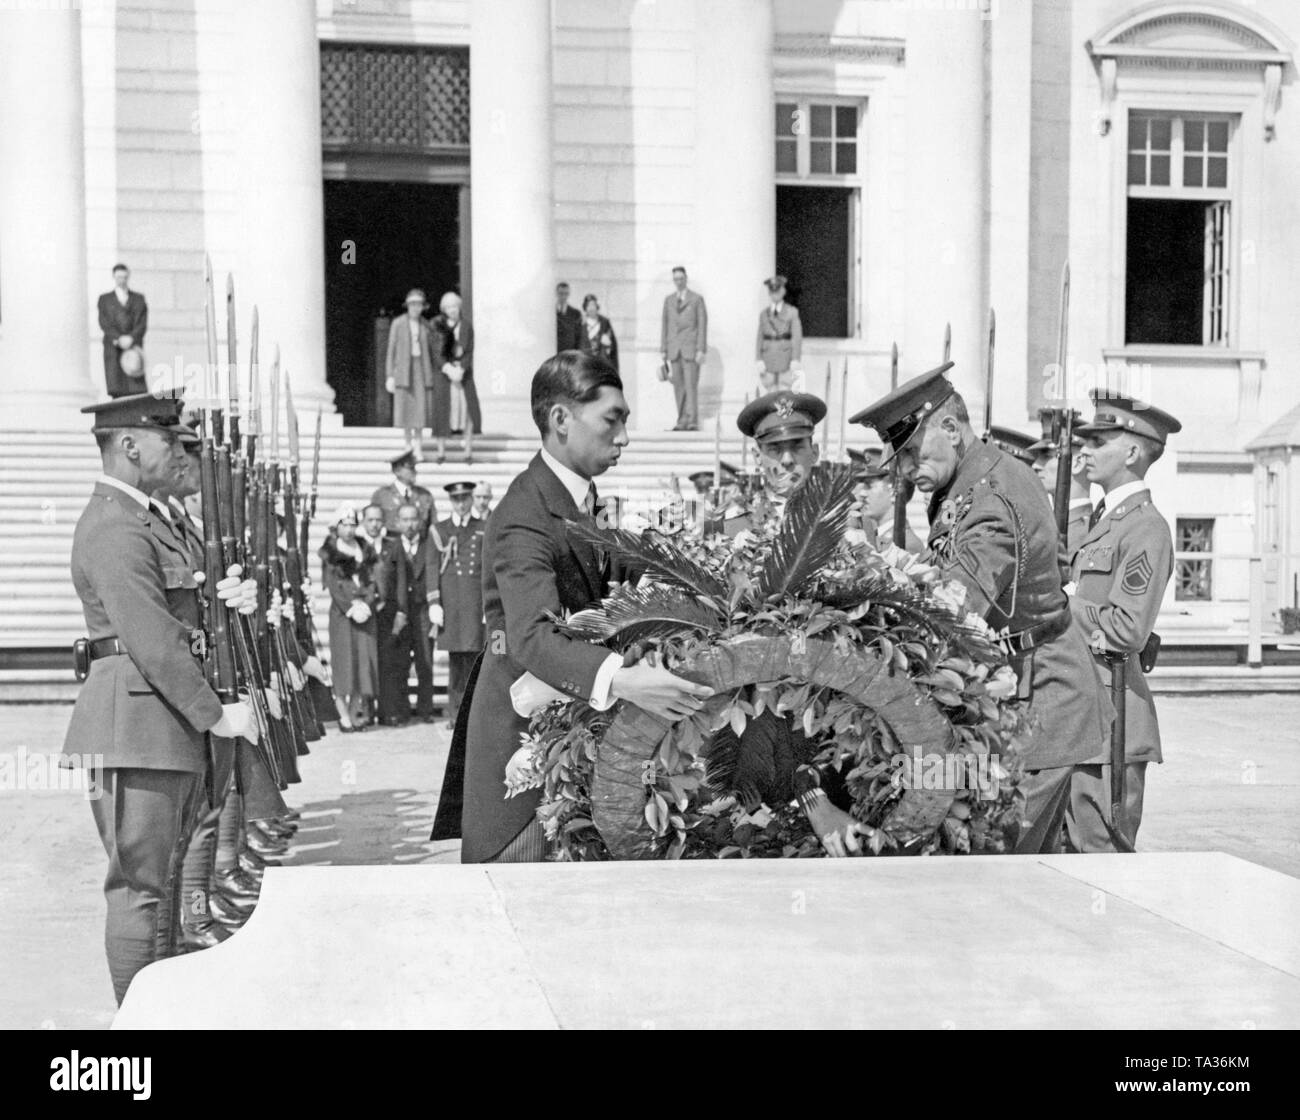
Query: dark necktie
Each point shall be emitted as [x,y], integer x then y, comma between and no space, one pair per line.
[1096,515]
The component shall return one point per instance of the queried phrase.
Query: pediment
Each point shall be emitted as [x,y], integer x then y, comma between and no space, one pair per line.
[1206,33]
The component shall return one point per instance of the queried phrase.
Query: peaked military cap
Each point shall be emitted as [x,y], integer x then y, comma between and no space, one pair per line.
[728,473]
[867,464]
[897,415]
[459,489]
[405,459]
[1013,443]
[781,415]
[139,410]
[1128,414]
[1047,444]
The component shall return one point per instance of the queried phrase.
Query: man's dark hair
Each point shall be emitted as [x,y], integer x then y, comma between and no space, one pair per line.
[120,267]
[679,268]
[104,438]
[954,406]
[407,505]
[562,284]
[571,377]
[367,509]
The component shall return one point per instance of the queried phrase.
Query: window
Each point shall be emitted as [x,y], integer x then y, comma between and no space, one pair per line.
[1193,579]
[817,202]
[1179,209]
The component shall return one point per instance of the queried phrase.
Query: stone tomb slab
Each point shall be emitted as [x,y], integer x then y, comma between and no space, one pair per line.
[1189,940]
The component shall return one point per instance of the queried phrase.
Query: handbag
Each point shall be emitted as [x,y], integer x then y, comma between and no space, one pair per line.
[665,370]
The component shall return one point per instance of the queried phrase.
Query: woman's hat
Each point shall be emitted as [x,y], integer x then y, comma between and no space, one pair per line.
[415,295]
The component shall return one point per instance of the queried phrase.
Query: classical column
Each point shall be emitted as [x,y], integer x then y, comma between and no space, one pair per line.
[735,193]
[44,322]
[511,217]
[946,172]
[280,196]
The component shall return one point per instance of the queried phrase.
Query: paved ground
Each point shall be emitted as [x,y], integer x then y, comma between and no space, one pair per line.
[1231,784]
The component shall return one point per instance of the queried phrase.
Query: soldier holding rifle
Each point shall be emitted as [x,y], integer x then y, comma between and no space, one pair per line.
[1121,570]
[146,705]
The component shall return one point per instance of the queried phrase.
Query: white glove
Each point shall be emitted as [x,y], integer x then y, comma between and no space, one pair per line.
[287,610]
[238,594]
[435,615]
[449,368]
[796,366]
[273,611]
[359,612]
[237,722]
[313,668]
[296,679]
[272,696]
[390,385]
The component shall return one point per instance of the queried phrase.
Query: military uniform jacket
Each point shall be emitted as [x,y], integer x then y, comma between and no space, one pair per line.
[1120,572]
[992,531]
[390,500]
[456,582]
[147,709]
[780,338]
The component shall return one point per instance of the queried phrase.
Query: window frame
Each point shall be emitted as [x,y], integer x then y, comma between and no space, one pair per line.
[855,183]
[1240,110]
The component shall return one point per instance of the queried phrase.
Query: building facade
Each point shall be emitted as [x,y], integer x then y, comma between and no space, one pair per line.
[907,163]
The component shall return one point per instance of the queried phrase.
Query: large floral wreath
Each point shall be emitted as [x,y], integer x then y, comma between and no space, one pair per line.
[906,700]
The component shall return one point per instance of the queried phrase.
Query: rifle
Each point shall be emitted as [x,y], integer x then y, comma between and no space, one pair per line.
[988,376]
[1118,663]
[1065,442]
[947,342]
[902,488]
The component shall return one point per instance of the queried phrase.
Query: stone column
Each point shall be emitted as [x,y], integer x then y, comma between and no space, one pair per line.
[735,194]
[511,217]
[946,173]
[280,194]
[44,323]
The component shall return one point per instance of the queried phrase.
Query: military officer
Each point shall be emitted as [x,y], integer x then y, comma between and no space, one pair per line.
[402,489]
[1120,571]
[991,530]
[779,348]
[874,511]
[1046,456]
[456,591]
[146,703]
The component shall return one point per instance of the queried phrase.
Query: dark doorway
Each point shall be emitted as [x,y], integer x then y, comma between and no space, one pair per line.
[381,240]
[1164,291]
[813,250]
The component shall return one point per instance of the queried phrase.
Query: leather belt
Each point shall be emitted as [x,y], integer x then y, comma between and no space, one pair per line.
[777,337]
[1031,637]
[105,647]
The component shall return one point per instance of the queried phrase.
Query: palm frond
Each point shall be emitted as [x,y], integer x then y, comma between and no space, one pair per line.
[633,615]
[652,555]
[814,524]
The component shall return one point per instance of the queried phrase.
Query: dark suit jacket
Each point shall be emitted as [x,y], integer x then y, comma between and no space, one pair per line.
[419,574]
[135,578]
[568,329]
[116,320]
[390,578]
[532,567]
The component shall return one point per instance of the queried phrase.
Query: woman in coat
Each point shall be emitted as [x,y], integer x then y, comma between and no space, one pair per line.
[597,336]
[455,399]
[409,371]
[347,572]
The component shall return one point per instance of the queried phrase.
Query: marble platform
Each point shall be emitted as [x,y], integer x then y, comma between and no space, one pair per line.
[1187,940]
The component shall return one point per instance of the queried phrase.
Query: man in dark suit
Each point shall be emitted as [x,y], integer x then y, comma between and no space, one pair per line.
[568,321]
[403,488]
[456,591]
[393,625]
[534,569]
[123,317]
[992,532]
[146,704]
[683,342]
[417,557]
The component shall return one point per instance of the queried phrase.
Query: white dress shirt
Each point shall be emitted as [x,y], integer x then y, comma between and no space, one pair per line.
[578,488]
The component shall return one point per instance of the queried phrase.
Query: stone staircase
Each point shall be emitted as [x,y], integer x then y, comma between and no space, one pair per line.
[46,477]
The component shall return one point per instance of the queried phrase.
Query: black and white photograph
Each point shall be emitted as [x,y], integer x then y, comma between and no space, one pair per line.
[651,515]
